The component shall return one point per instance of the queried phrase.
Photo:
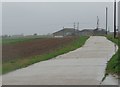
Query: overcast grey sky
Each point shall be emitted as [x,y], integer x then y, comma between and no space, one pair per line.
[48,17]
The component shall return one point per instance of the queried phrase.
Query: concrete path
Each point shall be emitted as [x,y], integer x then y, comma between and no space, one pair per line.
[84,66]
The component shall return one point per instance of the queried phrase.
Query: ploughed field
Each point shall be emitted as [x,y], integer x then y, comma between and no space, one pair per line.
[38,46]
[21,52]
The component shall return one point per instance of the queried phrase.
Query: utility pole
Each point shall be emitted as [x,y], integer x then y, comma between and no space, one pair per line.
[74,25]
[77,28]
[106,19]
[74,28]
[115,19]
[97,22]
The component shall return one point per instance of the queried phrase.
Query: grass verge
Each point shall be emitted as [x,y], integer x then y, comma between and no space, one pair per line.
[18,63]
[113,65]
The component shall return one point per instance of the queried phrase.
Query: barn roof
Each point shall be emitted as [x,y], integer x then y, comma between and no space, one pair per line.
[66,30]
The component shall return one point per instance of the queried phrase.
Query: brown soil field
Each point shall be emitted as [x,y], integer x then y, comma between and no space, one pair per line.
[32,48]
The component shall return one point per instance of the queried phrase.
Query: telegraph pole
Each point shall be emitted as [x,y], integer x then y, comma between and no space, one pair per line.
[74,25]
[74,28]
[115,19]
[97,22]
[78,26]
[106,19]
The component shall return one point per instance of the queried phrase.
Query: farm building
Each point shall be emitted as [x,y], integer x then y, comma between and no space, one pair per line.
[92,32]
[99,32]
[66,32]
[86,32]
[73,32]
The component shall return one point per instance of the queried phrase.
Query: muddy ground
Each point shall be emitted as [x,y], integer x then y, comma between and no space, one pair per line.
[32,48]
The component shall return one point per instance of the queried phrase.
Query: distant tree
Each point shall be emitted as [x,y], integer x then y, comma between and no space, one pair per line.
[5,35]
[35,34]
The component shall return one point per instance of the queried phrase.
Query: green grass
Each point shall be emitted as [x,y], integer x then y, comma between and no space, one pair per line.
[18,63]
[113,66]
[0,40]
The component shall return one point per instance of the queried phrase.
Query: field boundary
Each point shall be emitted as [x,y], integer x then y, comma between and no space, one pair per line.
[21,63]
